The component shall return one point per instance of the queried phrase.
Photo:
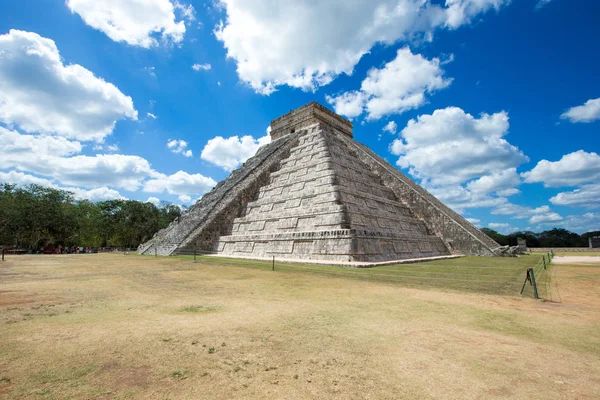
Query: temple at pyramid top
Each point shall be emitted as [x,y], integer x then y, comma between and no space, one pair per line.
[306,115]
[315,194]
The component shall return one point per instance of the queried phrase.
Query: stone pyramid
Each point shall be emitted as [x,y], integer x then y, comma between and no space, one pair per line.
[316,194]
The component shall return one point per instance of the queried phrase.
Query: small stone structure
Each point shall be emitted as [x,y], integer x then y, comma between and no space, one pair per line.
[314,193]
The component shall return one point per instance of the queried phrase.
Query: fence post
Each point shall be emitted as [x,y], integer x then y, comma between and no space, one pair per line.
[544,259]
[3,249]
[273,263]
[532,277]
[155,251]
[194,253]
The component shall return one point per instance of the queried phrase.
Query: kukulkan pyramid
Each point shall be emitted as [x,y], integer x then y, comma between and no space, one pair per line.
[314,193]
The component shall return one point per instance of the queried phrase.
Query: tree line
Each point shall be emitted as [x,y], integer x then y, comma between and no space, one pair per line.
[35,217]
[556,237]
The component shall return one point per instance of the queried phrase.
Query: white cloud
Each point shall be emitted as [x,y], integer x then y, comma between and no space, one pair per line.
[98,194]
[150,115]
[452,147]
[459,198]
[508,192]
[55,157]
[500,181]
[541,3]
[154,200]
[151,71]
[204,67]
[137,23]
[474,221]
[571,170]
[588,222]
[503,228]
[184,198]
[545,218]
[589,112]
[40,94]
[587,196]
[391,127]
[180,183]
[399,86]
[349,104]
[536,215]
[231,152]
[17,147]
[307,44]
[179,147]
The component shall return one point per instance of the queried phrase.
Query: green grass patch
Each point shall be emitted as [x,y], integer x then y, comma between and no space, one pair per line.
[493,275]
[201,309]
[181,374]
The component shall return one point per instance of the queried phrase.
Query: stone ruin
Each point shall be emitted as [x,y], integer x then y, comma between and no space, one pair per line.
[314,193]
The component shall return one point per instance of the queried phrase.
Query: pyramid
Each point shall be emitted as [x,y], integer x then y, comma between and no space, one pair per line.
[316,194]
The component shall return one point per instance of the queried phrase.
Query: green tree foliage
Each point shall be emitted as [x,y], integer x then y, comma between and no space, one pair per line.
[32,217]
[556,237]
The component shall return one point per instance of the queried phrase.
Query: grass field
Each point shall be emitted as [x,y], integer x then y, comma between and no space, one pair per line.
[117,327]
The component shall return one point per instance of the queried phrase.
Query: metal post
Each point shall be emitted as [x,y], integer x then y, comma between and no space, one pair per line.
[155,251]
[3,249]
[544,259]
[194,253]
[273,263]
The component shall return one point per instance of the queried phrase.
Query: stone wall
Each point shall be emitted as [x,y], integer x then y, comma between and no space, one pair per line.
[458,234]
[211,216]
[563,249]
[325,204]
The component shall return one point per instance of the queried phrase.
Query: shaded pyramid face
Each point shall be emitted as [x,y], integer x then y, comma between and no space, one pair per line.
[314,193]
[325,204]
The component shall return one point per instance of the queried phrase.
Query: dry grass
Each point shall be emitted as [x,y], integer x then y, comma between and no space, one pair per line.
[115,327]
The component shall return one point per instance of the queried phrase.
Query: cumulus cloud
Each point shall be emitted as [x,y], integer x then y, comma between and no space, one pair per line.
[204,67]
[391,127]
[40,94]
[295,42]
[154,200]
[459,198]
[349,104]
[231,152]
[588,112]
[503,227]
[184,198]
[587,196]
[401,85]
[588,222]
[535,215]
[180,183]
[179,147]
[452,147]
[501,182]
[137,23]
[55,158]
[571,170]
[97,194]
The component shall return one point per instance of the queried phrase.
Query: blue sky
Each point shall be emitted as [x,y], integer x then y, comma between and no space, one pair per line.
[492,105]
